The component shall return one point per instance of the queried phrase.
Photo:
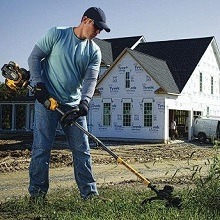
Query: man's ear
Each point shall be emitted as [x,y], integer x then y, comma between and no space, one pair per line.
[84,19]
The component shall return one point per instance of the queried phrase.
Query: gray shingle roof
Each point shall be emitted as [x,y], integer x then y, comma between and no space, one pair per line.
[181,56]
[111,48]
[158,70]
[106,49]
[119,44]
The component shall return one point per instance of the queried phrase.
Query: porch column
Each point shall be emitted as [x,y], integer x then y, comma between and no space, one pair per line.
[13,118]
[27,118]
[166,124]
[190,123]
[0,117]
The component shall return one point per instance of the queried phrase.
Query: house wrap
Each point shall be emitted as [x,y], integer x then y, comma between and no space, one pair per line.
[156,82]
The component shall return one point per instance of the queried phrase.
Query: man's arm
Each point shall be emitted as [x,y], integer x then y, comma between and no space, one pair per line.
[34,62]
[89,84]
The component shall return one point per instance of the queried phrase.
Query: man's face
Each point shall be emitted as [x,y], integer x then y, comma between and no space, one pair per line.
[89,29]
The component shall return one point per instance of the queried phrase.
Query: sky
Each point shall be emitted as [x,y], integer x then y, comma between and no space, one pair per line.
[23,22]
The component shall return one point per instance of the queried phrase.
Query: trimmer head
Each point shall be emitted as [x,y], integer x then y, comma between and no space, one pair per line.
[165,194]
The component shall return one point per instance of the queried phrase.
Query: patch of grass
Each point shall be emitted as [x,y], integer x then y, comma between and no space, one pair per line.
[200,203]
[206,195]
[125,204]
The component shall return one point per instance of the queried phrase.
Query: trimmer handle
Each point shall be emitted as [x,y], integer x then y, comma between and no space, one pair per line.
[51,104]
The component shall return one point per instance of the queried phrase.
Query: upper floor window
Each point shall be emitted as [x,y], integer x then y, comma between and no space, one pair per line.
[212,85]
[127,80]
[200,82]
[207,111]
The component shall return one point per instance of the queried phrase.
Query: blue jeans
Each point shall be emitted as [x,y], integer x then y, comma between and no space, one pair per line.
[45,125]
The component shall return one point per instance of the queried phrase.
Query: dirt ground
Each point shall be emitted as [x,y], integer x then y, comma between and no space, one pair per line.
[163,163]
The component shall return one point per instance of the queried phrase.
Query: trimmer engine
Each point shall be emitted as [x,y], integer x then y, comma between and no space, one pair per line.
[15,77]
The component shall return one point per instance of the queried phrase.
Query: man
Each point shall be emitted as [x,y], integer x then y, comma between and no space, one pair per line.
[64,64]
[173,128]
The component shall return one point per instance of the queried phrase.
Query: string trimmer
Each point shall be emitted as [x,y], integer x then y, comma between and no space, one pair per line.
[17,78]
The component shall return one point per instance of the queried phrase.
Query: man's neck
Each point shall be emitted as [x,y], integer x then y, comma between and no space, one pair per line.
[78,32]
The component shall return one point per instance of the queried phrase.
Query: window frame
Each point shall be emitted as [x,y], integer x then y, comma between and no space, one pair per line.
[126,114]
[107,116]
[148,116]
[127,80]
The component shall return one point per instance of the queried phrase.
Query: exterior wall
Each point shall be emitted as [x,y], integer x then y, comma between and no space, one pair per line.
[112,89]
[202,100]
[141,90]
[191,97]
[136,130]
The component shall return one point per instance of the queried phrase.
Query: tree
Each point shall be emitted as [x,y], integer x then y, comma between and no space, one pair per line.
[7,94]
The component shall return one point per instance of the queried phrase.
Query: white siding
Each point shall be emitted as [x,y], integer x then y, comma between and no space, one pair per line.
[142,89]
[199,101]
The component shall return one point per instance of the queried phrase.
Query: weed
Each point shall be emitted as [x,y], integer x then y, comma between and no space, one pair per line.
[206,195]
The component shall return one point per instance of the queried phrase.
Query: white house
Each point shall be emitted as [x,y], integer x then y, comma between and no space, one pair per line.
[145,88]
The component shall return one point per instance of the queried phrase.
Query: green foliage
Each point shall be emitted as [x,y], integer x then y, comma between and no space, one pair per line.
[125,204]
[6,94]
[206,195]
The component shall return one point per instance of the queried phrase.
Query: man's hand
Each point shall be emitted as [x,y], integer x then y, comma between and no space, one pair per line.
[83,108]
[75,113]
[41,93]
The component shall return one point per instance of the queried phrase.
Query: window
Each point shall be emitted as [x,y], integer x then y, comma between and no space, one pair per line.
[207,111]
[106,114]
[126,114]
[197,114]
[180,116]
[127,80]
[148,114]
[200,82]
[212,85]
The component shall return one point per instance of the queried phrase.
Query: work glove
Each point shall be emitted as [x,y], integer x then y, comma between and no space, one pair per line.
[41,93]
[76,111]
[83,108]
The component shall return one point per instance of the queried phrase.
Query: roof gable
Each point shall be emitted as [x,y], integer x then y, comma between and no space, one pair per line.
[155,67]
[158,70]
[181,56]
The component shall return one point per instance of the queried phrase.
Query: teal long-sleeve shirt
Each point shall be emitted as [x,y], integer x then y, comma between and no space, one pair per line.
[67,65]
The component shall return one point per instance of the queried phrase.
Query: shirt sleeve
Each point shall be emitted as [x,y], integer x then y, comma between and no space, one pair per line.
[42,48]
[34,63]
[47,42]
[91,76]
[96,60]
[89,84]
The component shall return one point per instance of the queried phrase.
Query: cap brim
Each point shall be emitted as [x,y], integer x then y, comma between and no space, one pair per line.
[103,26]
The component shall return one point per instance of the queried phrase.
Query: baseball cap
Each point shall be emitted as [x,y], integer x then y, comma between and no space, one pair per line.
[98,15]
